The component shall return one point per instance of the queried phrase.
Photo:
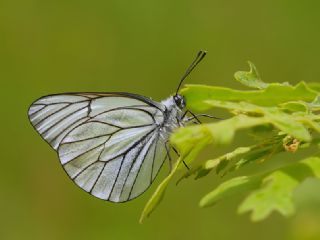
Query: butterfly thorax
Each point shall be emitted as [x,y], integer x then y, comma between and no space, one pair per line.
[172,116]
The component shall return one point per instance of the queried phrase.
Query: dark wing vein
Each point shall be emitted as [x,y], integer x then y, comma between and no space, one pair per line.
[132,163]
[51,114]
[70,123]
[82,170]
[125,108]
[35,112]
[95,182]
[153,158]
[60,120]
[141,140]
[144,158]
[66,128]
[137,142]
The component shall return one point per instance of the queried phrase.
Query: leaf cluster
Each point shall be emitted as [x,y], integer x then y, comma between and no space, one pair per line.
[290,114]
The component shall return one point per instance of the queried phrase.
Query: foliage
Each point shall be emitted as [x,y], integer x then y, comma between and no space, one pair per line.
[289,114]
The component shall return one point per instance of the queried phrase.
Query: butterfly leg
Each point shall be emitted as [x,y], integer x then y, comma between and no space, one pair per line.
[194,117]
[184,163]
[185,114]
[206,115]
[169,156]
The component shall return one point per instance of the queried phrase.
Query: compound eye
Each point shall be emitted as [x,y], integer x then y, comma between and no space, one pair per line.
[179,100]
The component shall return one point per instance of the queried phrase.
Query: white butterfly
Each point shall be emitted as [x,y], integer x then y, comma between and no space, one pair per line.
[112,145]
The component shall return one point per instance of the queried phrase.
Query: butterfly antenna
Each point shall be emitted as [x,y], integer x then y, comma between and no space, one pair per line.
[201,54]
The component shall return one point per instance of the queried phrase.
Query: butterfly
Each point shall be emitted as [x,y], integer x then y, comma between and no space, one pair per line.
[112,145]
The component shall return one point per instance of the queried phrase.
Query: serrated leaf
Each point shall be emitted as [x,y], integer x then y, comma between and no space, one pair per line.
[251,78]
[198,95]
[270,191]
[274,195]
[287,122]
[284,109]
[289,126]
[223,132]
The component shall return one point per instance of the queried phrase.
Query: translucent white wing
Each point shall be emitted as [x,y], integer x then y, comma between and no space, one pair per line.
[55,115]
[109,144]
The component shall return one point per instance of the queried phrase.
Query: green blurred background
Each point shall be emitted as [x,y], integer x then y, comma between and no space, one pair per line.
[142,47]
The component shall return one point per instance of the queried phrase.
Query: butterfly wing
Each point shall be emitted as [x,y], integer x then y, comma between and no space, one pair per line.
[109,144]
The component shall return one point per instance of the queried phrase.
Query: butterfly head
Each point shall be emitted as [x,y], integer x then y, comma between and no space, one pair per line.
[179,101]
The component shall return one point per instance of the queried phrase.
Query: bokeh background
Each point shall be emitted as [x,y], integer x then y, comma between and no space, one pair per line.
[142,47]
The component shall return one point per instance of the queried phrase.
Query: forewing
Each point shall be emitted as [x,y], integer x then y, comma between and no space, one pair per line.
[109,144]
[54,116]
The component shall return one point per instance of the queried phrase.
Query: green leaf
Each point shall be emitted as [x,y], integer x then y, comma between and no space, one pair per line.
[272,191]
[223,132]
[289,126]
[286,122]
[315,105]
[198,95]
[239,107]
[234,186]
[315,86]
[244,155]
[158,194]
[295,106]
[257,154]
[222,162]
[160,191]
[274,195]
[251,78]
[220,132]
[286,112]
